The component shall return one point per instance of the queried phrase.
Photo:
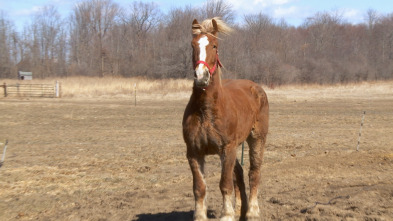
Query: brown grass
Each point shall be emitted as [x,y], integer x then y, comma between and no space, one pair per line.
[109,87]
[93,87]
[353,90]
[82,157]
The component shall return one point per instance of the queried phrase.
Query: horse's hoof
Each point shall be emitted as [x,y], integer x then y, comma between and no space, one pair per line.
[253,211]
[227,218]
[252,217]
[238,210]
[200,217]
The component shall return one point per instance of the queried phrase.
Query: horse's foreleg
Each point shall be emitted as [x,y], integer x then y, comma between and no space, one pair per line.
[199,187]
[241,204]
[228,159]
[256,156]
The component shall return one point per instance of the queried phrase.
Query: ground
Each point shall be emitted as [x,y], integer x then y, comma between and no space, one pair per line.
[106,159]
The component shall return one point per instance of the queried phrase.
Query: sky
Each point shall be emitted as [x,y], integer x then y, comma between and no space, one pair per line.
[294,12]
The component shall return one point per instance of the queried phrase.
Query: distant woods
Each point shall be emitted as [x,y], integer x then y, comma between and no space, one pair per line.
[100,38]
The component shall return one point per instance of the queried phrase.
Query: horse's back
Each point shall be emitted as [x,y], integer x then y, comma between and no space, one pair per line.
[242,90]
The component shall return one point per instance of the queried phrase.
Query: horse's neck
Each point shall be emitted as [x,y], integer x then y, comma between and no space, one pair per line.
[210,95]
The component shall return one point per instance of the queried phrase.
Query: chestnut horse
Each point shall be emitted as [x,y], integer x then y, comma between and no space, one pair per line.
[220,115]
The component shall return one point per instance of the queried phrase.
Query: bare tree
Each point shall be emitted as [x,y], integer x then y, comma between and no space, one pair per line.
[140,21]
[175,43]
[142,17]
[139,40]
[7,40]
[49,37]
[91,23]
[323,29]
[258,28]
[371,17]
[383,37]
[218,8]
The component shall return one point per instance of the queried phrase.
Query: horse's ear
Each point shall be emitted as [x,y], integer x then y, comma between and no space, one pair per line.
[196,27]
[215,27]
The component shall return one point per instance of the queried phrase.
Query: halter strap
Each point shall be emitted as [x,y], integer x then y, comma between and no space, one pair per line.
[211,70]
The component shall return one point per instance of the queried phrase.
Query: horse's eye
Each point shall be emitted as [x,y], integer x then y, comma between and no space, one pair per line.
[214,46]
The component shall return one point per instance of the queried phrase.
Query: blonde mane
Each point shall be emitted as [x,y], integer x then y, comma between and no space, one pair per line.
[206,27]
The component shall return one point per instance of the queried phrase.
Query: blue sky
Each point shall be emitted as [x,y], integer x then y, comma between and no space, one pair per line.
[292,11]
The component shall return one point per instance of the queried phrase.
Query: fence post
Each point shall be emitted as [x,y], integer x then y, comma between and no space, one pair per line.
[5,89]
[57,89]
[60,92]
[135,93]
[360,131]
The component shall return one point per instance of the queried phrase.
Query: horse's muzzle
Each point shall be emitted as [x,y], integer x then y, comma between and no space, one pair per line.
[202,80]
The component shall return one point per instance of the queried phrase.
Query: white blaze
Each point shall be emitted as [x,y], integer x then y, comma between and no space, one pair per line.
[203,42]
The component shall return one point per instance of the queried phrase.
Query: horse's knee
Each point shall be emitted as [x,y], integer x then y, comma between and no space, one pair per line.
[226,188]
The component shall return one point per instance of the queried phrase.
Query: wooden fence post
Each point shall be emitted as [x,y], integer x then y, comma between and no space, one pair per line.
[360,131]
[135,93]
[5,89]
[57,89]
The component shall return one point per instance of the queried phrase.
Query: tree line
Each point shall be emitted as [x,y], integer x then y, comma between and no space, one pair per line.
[100,38]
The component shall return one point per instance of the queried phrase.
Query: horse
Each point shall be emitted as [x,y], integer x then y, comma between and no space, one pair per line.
[220,115]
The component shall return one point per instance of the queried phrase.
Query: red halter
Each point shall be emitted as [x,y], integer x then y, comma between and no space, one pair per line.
[211,70]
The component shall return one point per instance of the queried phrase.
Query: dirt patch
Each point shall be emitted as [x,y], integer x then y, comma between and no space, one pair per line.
[92,159]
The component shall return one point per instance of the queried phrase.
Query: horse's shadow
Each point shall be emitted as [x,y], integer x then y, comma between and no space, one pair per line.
[171,216]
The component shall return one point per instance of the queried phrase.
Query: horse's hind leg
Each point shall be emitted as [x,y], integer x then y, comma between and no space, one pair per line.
[241,204]
[256,144]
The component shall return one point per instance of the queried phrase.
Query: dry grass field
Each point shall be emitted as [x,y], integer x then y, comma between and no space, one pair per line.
[93,155]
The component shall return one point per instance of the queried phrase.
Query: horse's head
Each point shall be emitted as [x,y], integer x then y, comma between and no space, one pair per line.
[205,50]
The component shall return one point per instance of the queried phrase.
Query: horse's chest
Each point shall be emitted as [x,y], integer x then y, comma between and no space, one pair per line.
[205,135]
